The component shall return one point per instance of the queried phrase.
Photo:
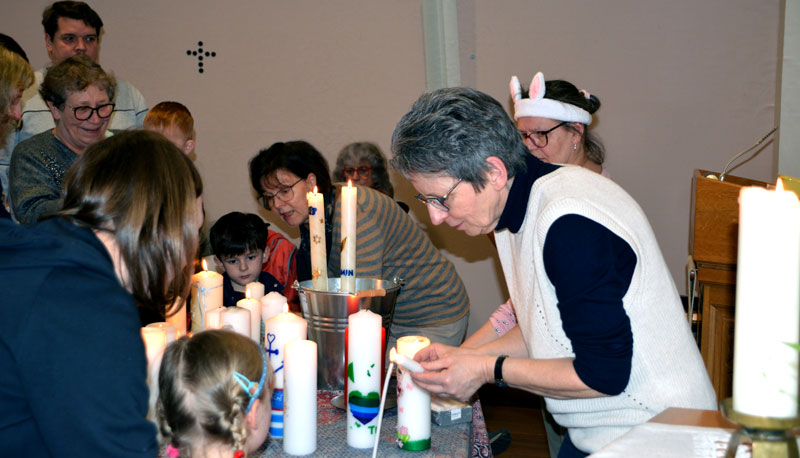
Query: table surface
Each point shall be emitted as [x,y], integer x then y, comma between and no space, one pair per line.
[461,440]
[693,417]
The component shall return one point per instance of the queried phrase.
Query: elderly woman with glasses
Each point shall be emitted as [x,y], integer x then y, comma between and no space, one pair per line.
[80,97]
[601,335]
[365,165]
[433,301]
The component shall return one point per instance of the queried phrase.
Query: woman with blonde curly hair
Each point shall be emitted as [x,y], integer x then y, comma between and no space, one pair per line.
[214,396]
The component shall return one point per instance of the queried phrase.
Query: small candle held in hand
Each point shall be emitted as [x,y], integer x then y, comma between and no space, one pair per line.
[405,362]
[413,402]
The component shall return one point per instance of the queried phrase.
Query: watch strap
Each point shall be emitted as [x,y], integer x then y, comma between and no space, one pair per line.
[498,371]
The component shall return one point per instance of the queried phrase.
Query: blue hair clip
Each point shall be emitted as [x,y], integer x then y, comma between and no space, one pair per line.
[252,389]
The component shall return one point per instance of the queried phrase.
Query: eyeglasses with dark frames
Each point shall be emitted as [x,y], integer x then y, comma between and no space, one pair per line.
[84,113]
[284,194]
[350,172]
[539,137]
[438,202]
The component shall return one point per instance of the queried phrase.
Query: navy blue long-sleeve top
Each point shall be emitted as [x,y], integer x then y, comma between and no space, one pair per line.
[591,269]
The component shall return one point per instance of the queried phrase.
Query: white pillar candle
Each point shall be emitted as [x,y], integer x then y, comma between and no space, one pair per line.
[178,319]
[347,280]
[237,318]
[170,331]
[271,305]
[300,397]
[214,318]
[413,403]
[254,307]
[254,290]
[364,377]
[281,329]
[206,295]
[767,295]
[155,341]
[316,228]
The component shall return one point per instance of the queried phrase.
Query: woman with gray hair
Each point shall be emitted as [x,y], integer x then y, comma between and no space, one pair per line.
[364,163]
[80,97]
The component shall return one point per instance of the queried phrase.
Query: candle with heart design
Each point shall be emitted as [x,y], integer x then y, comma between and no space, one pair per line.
[280,330]
[413,402]
[364,377]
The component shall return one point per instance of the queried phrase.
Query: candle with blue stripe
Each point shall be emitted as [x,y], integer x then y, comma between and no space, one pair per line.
[281,329]
[363,377]
[347,279]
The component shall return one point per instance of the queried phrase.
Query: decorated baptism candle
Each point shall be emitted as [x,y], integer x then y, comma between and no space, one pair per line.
[364,371]
[765,372]
[347,280]
[413,403]
[300,397]
[316,229]
[206,295]
[281,329]
[254,307]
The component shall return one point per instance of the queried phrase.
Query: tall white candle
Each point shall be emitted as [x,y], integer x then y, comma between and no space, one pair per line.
[300,397]
[316,228]
[765,369]
[237,318]
[179,318]
[347,280]
[413,402]
[206,295]
[170,331]
[254,290]
[281,329]
[254,307]
[364,370]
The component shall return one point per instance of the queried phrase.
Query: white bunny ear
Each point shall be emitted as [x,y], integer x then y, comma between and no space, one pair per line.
[516,89]
[537,87]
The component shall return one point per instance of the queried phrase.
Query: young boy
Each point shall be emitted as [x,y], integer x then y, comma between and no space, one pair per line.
[239,242]
[173,120]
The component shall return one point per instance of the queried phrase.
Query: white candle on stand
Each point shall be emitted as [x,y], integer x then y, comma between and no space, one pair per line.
[237,318]
[765,369]
[206,295]
[413,402]
[254,307]
[319,251]
[178,319]
[300,396]
[170,331]
[281,329]
[347,280]
[254,290]
[364,371]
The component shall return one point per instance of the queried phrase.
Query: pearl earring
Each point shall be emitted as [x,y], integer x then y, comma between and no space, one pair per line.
[575,147]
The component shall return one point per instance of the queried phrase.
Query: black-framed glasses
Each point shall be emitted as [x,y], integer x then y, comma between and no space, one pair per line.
[539,137]
[84,113]
[350,172]
[438,202]
[284,194]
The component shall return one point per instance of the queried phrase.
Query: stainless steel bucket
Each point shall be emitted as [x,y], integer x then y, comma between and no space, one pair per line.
[326,313]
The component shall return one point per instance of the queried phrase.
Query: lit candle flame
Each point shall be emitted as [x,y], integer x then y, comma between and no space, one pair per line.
[286,308]
[247,293]
[350,183]
[779,185]
[315,189]
[205,265]
[393,355]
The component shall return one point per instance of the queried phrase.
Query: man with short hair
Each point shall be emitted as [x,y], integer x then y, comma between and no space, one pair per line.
[71,28]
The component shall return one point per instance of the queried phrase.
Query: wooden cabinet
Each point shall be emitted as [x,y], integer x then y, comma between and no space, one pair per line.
[713,243]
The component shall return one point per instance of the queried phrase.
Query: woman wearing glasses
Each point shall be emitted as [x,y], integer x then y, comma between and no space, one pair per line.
[433,301]
[365,165]
[80,97]
[562,137]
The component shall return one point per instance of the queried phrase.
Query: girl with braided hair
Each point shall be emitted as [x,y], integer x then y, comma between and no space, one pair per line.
[214,396]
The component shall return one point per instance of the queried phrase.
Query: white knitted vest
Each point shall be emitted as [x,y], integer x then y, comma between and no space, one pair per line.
[667,370]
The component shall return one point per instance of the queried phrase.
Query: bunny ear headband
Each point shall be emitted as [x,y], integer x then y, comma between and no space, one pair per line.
[537,105]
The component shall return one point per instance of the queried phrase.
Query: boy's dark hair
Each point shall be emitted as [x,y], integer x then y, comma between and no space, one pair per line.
[237,233]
